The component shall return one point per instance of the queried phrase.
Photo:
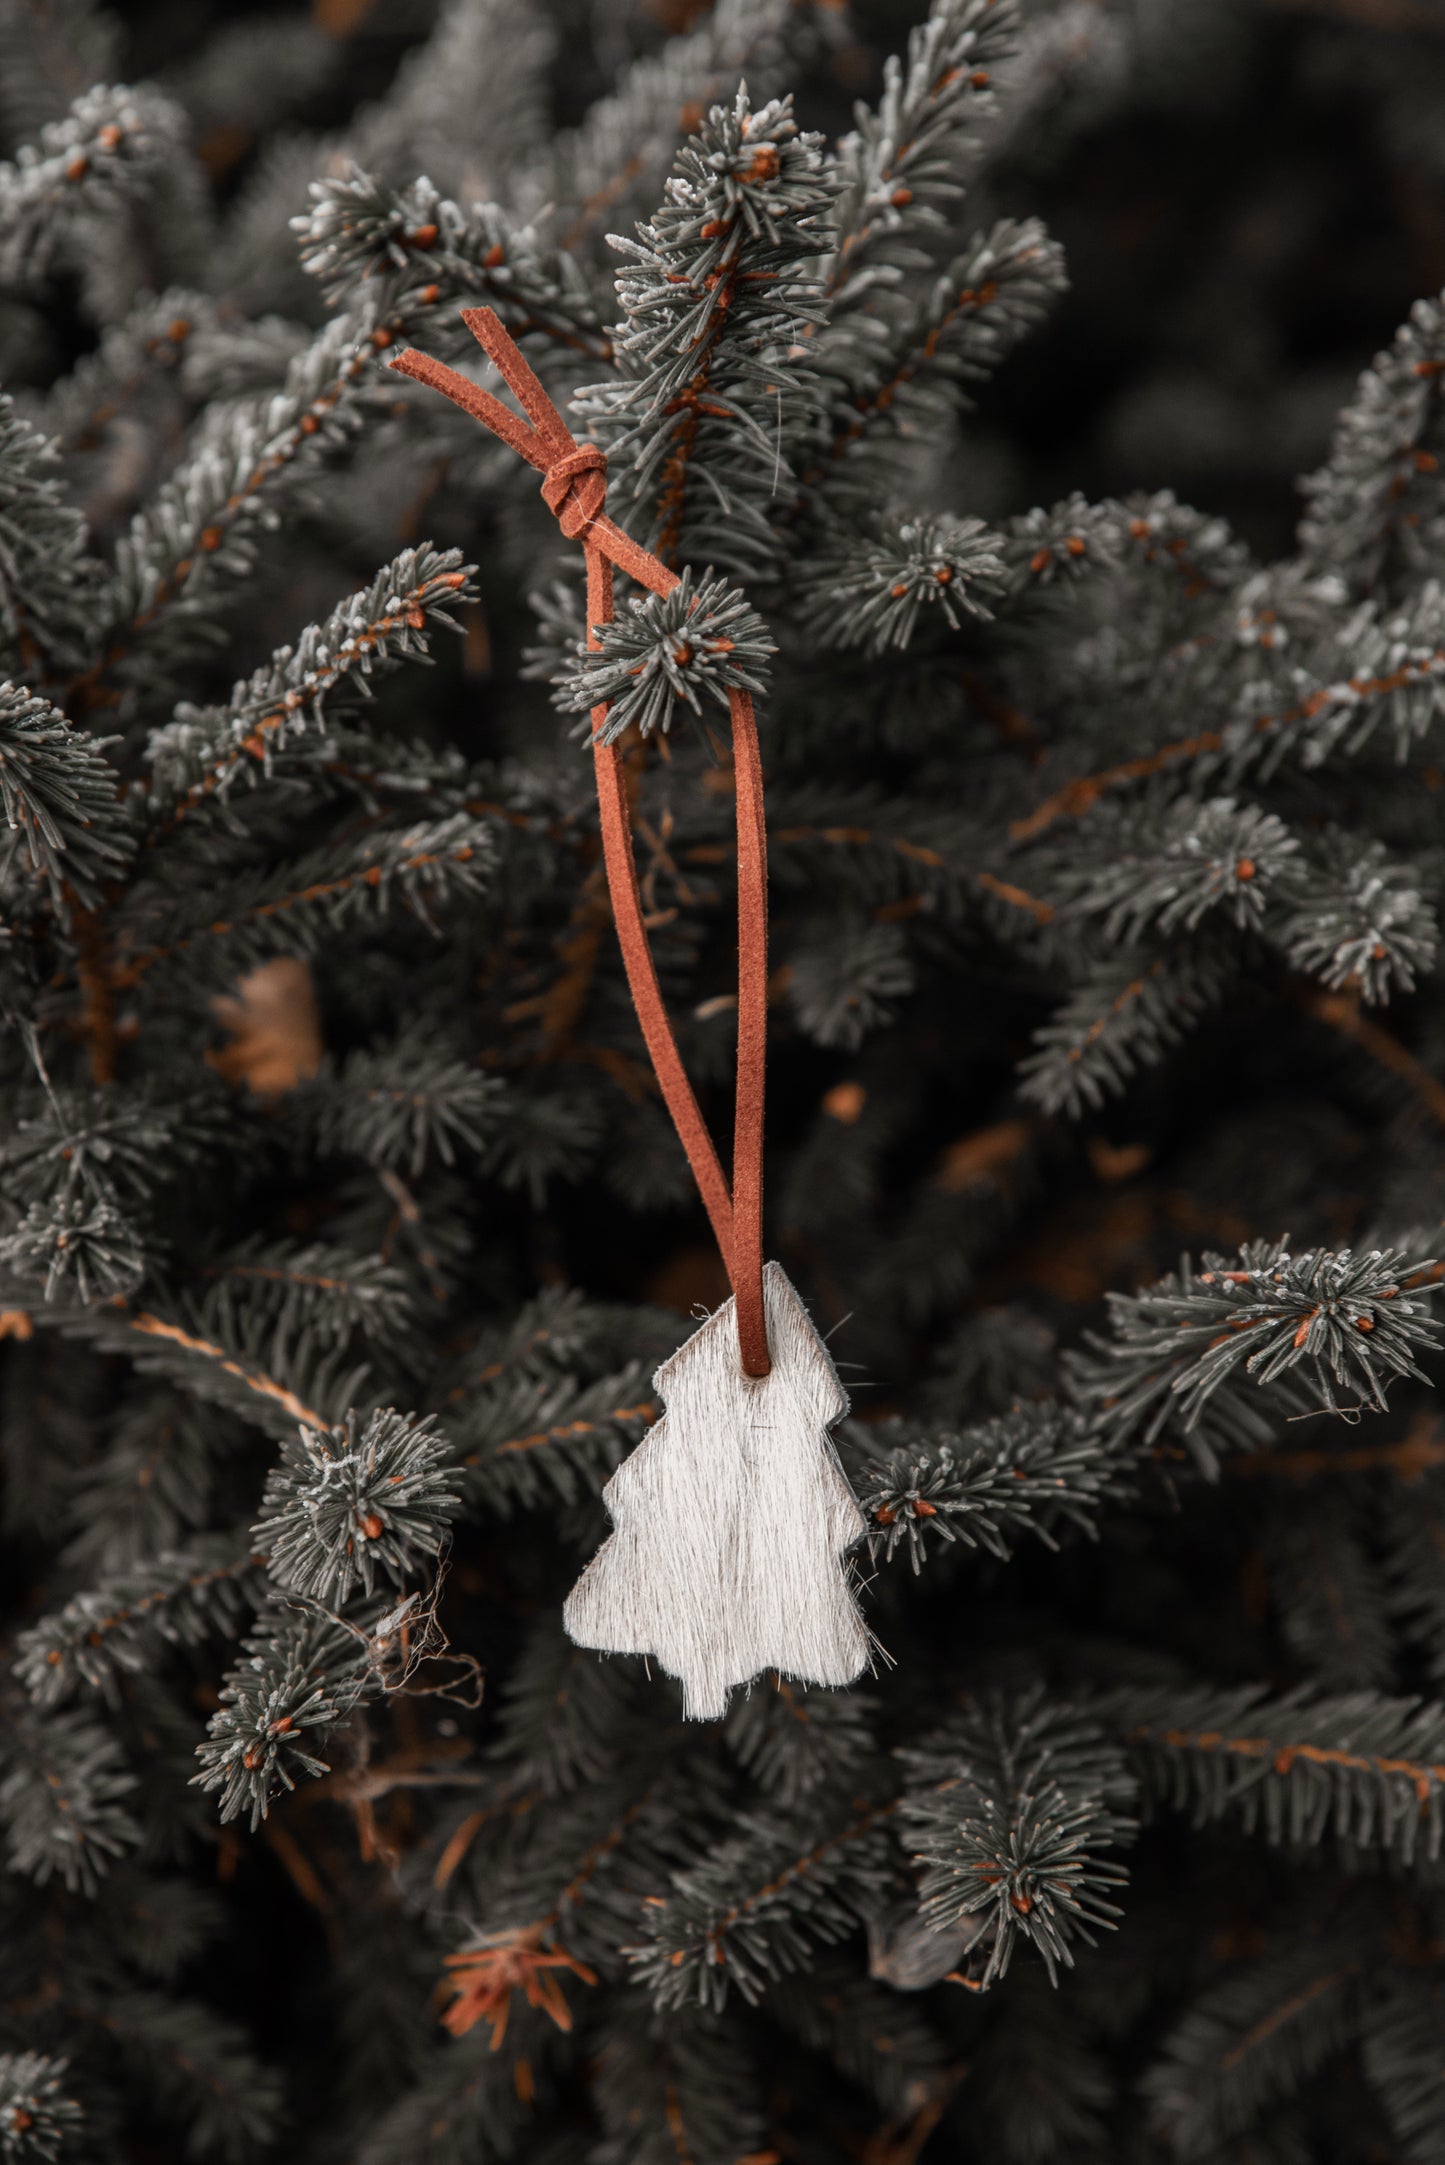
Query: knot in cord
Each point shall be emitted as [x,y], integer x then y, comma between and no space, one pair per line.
[574,487]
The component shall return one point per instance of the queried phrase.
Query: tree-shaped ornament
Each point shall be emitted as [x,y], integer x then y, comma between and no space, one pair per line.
[733,1516]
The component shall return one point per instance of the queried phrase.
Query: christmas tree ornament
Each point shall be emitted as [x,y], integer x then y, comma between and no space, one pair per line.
[733,1516]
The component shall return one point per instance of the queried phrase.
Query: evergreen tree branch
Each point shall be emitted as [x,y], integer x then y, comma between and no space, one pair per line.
[1163,868]
[373,1105]
[1021,1803]
[1351,1321]
[196,2065]
[65,829]
[1251,2041]
[299,1674]
[363,239]
[346,1503]
[908,163]
[630,134]
[1077,798]
[1395,683]
[1031,1471]
[661,650]
[1329,1594]
[1128,1013]
[50,585]
[45,53]
[135,1145]
[1043,2074]
[41,2118]
[206,753]
[1374,511]
[311,899]
[1401,2026]
[1362,1769]
[562,1717]
[79,1246]
[329,1290]
[1195,554]
[475,90]
[691,2091]
[795,1742]
[707,1938]
[222,1374]
[155,1489]
[870,588]
[62,1782]
[977,1187]
[114,1629]
[157,338]
[865,2031]
[717,289]
[976,311]
[461,2105]
[1358,922]
[539,1442]
[91,1169]
[202,530]
[111,146]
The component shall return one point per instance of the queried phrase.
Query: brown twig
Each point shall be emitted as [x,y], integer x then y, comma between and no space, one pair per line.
[1427,1779]
[245,1372]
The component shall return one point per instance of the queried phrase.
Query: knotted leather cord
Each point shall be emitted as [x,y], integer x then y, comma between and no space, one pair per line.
[574,487]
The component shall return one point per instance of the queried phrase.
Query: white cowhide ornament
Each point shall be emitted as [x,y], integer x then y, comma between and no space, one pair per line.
[732,1518]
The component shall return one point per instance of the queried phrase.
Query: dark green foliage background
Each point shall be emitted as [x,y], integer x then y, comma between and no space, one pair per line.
[1158,1781]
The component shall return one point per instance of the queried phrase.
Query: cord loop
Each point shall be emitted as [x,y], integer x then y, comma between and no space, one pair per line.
[574,487]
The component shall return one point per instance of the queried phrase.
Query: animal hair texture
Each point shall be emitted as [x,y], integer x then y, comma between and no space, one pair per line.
[732,1520]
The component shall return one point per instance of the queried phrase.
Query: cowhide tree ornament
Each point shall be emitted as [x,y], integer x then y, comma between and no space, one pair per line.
[733,1516]
[732,1519]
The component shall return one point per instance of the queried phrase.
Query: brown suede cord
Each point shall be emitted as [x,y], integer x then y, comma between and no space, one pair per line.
[574,486]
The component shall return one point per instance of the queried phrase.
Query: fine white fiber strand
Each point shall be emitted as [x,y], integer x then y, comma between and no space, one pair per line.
[732,1518]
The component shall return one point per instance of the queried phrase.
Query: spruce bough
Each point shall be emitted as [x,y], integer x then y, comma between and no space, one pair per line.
[341,1231]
